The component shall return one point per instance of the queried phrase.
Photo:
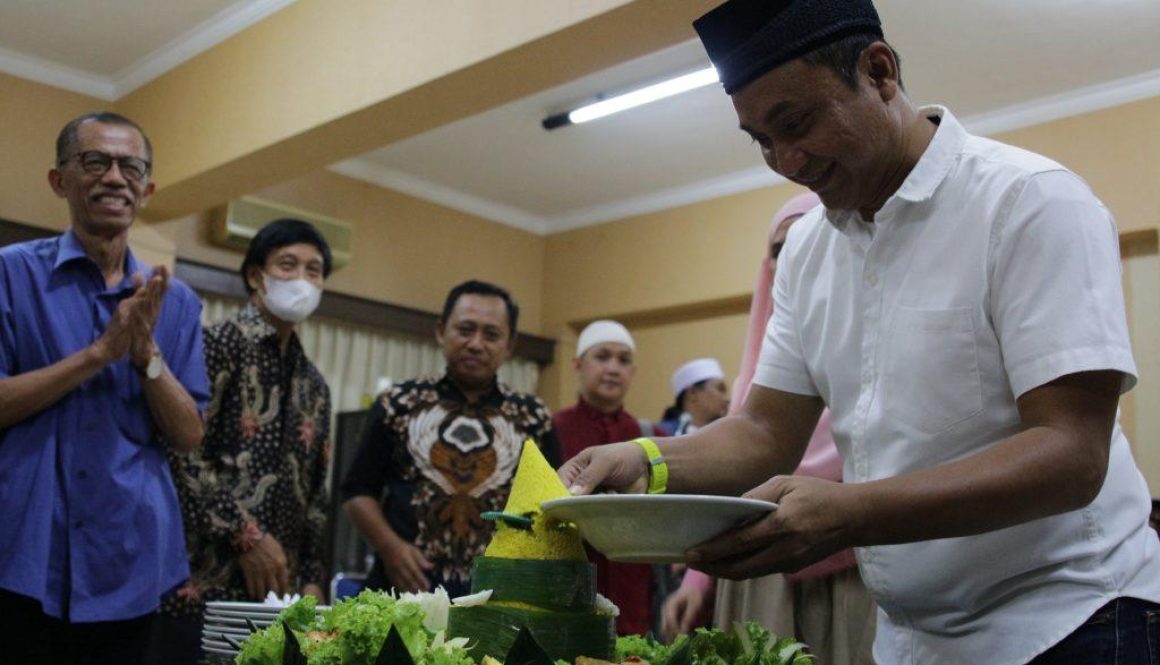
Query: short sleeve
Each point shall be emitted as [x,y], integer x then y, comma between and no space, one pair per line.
[781,364]
[369,471]
[186,357]
[7,334]
[7,320]
[1055,285]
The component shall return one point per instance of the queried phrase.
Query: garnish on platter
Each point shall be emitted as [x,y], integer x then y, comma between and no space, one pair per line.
[743,644]
[355,630]
[533,602]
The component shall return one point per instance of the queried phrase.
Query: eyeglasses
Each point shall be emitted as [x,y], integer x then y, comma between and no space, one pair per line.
[98,163]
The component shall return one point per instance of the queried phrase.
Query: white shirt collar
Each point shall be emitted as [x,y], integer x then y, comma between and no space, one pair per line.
[928,173]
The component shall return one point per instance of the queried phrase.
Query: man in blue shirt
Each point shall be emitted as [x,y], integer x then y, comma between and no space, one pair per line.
[101,368]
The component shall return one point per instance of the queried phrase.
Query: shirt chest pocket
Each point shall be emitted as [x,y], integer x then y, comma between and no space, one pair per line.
[931,373]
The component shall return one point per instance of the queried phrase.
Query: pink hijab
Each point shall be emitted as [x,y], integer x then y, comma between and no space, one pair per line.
[821,458]
[761,307]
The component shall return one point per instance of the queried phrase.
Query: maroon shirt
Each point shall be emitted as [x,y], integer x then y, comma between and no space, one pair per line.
[629,585]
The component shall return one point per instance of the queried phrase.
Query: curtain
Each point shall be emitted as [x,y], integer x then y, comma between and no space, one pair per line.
[354,358]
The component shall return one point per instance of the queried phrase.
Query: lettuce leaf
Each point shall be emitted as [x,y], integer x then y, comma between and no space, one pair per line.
[646,648]
[744,644]
[263,647]
[300,615]
[351,633]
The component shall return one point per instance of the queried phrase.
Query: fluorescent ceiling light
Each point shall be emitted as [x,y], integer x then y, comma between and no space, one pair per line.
[629,100]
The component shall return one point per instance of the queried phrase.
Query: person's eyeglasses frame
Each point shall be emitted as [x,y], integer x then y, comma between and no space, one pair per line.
[103,161]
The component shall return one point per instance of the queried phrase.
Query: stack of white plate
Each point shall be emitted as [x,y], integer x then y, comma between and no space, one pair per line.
[227,624]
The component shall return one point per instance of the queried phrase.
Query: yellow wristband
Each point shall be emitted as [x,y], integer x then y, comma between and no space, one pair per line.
[658,469]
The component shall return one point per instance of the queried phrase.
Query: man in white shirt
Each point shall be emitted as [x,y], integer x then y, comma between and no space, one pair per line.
[957,305]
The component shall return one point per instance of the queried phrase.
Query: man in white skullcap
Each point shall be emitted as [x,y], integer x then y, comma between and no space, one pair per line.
[605,364]
[701,394]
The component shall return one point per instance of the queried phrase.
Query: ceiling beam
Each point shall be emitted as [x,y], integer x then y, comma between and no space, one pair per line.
[320,82]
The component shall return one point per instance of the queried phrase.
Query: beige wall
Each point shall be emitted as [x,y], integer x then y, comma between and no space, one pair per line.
[404,250]
[31,116]
[709,252]
[680,277]
[1117,150]
[1139,414]
[663,348]
[692,257]
[310,85]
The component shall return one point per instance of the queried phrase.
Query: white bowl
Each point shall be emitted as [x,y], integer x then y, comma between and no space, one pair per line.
[653,528]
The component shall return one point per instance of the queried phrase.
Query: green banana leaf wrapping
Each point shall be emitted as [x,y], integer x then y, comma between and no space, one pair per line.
[564,585]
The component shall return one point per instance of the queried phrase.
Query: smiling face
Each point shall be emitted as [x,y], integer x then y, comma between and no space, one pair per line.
[107,204]
[605,373]
[846,144]
[476,340]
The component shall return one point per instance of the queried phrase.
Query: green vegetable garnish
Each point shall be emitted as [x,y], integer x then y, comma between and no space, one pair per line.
[744,644]
[355,629]
[351,633]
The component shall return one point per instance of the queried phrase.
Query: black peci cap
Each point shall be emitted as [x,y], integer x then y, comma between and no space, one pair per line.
[747,38]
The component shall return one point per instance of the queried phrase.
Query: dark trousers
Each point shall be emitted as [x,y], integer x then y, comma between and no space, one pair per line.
[31,637]
[1126,631]
[174,641]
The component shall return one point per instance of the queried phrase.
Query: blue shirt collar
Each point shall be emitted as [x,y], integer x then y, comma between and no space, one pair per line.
[70,249]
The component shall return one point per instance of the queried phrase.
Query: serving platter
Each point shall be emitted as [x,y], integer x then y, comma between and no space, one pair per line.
[653,528]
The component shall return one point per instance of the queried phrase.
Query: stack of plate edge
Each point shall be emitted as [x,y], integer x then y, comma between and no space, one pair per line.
[227,624]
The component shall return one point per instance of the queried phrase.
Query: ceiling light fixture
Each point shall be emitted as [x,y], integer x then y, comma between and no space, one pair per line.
[629,100]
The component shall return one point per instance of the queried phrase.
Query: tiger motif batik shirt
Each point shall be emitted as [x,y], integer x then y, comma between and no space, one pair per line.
[441,462]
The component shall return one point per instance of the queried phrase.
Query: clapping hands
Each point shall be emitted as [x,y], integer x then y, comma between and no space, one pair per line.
[130,329]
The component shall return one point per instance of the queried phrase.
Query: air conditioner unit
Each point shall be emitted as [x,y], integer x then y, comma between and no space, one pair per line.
[236,224]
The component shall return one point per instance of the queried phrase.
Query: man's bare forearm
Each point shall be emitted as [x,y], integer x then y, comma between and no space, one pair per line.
[174,411]
[1035,474]
[736,453]
[1056,464]
[367,516]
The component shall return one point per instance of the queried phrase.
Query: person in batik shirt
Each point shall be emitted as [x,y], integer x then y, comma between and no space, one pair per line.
[445,448]
[253,498]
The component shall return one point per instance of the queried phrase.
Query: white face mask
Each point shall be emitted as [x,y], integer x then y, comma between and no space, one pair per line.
[291,300]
